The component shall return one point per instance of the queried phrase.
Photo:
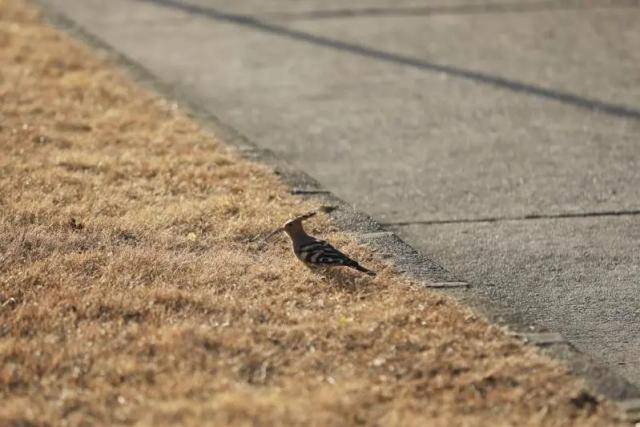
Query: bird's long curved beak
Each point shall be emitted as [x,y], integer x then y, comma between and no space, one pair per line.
[273,233]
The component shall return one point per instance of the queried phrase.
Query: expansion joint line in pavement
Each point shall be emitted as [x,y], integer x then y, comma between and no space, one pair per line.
[438,10]
[512,218]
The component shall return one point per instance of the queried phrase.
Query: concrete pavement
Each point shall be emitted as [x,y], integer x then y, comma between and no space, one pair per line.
[501,139]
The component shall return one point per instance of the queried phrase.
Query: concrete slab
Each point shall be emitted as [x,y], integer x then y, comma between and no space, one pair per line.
[576,277]
[472,114]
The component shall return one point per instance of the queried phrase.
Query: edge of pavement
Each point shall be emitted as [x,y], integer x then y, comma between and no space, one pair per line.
[384,243]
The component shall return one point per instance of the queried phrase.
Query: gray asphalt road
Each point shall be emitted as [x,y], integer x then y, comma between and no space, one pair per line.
[501,139]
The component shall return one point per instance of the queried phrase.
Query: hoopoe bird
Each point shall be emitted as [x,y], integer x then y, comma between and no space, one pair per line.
[314,252]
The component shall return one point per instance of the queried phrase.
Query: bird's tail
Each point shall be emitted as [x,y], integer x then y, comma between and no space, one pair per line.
[364,270]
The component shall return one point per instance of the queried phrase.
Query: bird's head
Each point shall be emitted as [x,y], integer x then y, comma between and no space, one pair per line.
[292,225]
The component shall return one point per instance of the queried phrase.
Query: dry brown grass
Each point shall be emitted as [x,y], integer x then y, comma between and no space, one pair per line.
[129,292]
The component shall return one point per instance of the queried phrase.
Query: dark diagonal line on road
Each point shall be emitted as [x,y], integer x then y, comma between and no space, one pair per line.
[568,98]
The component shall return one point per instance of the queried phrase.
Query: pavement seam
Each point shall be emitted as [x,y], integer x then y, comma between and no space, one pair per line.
[541,338]
[528,217]
[406,259]
[446,10]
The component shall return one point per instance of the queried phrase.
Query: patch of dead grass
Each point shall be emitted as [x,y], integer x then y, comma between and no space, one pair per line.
[130,291]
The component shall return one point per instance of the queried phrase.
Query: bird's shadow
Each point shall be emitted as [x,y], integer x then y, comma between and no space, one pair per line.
[341,278]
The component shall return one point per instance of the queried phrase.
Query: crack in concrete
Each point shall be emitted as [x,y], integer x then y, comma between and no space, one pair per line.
[512,218]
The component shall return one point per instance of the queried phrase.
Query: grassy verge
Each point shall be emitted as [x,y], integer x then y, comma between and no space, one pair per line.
[130,291]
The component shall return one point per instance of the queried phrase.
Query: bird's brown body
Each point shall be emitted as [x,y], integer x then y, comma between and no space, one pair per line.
[314,252]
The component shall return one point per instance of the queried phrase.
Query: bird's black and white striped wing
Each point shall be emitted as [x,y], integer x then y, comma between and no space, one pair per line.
[322,253]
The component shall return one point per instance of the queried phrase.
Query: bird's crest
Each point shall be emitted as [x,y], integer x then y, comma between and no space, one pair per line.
[302,217]
[288,224]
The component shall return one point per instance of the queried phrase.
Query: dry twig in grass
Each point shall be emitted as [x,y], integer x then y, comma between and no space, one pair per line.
[128,293]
